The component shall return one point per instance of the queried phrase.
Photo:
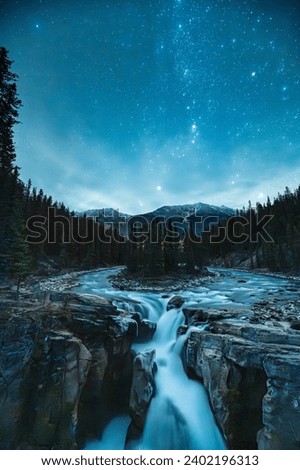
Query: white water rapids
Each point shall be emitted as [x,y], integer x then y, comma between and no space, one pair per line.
[179,416]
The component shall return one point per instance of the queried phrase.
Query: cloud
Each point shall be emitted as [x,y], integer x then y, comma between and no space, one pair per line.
[88,174]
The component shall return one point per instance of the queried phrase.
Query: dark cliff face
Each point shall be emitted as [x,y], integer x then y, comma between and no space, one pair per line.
[65,369]
[251,370]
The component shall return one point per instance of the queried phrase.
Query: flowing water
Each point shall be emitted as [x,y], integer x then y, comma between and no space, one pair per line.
[179,416]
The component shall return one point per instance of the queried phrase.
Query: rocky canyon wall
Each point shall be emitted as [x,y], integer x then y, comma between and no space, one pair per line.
[65,368]
[251,370]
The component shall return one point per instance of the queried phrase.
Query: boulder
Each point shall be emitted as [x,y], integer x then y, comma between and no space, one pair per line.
[141,393]
[295,324]
[175,302]
[198,315]
[146,328]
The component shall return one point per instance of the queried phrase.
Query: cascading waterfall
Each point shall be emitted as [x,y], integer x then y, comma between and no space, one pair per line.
[113,436]
[179,415]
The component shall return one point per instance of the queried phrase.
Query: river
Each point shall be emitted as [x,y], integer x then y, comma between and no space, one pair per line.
[179,416]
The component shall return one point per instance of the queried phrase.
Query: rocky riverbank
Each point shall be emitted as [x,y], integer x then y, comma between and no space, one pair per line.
[58,283]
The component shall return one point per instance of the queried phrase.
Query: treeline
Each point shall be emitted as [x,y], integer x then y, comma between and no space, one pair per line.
[267,236]
[163,247]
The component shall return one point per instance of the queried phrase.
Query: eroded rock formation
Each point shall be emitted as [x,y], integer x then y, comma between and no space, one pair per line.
[141,394]
[251,370]
[65,368]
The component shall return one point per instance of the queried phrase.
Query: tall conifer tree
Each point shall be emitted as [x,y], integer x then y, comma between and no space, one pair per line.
[9,106]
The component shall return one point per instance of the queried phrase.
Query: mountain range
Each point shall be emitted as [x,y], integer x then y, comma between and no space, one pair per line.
[187,210]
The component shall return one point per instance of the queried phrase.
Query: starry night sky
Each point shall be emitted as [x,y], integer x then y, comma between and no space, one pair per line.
[136,104]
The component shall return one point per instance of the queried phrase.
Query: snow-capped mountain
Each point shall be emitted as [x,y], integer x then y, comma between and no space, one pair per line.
[185,210]
[188,210]
[105,215]
[187,213]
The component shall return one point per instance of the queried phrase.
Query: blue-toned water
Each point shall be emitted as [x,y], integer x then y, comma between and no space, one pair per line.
[179,416]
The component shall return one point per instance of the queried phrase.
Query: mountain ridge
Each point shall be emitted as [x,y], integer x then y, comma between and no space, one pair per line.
[183,210]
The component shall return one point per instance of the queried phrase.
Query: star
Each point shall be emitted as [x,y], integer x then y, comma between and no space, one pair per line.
[202,82]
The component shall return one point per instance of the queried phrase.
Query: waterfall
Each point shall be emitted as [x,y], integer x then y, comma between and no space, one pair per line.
[113,435]
[179,416]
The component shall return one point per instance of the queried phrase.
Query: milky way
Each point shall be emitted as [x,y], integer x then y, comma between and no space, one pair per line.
[137,104]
